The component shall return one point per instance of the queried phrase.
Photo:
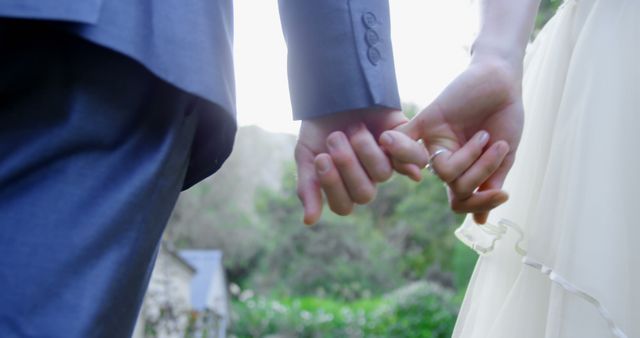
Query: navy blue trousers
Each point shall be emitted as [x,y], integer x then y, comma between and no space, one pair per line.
[93,154]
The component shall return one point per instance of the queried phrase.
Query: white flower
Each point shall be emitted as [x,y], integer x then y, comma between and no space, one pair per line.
[234,289]
[306,315]
[246,294]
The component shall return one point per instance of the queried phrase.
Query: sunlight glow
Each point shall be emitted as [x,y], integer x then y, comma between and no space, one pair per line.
[430,40]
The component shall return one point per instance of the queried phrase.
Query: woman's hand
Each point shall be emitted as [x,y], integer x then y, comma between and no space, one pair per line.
[485,97]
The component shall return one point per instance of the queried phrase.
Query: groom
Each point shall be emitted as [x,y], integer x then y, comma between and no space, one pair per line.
[109,108]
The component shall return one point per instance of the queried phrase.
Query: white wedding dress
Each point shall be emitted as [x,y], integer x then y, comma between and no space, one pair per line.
[562,257]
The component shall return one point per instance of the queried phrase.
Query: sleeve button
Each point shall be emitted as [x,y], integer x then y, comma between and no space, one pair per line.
[371,37]
[369,19]
[374,55]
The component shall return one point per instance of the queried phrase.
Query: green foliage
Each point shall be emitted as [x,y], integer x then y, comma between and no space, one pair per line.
[299,317]
[464,260]
[218,213]
[416,219]
[406,234]
[328,280]
[547,9]
[418,310]
[340,257]
[410,109]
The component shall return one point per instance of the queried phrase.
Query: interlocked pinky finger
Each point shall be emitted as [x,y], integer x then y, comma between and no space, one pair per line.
[464,186]
[479,202]
[367,150]
[450,166]
[408,169]
[402,148]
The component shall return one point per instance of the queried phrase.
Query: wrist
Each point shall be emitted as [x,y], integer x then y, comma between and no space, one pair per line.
[343,118]
[502,60]
[505,29]
[497,51]
[377,120]
[501,74]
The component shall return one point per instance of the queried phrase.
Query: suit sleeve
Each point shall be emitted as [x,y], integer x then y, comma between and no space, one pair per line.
[339,56]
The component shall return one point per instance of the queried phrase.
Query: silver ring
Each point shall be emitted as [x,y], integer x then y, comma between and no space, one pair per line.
[430,165]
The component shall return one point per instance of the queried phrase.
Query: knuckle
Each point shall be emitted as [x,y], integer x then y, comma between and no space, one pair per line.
[402,169]
[423,159]
[446,174]
[368,155]
[420,123]
[298,152]
[360,141]
[342,159]
[457,207]
[461,191]
[408,148]
[342,209]
[474,152]
[382,174]
[488,169]
[364,194]
[329,180]
[300,193]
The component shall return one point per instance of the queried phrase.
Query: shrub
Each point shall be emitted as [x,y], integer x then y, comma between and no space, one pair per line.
[418,310]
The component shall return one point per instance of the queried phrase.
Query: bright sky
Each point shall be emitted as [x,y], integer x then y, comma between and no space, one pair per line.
[430,42]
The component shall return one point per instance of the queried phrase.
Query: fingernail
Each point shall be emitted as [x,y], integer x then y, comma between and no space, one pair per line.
[308,221]
[501,149]
[334,141]
[323,165]
[500,200]
[483,137]
[386,139]
[506,196]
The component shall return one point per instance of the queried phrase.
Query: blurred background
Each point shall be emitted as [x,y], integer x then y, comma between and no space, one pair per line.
[236,260]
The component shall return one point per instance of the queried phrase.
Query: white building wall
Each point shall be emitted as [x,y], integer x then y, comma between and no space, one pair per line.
[167,303]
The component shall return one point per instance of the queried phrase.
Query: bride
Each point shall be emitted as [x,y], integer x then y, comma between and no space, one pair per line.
[560,258]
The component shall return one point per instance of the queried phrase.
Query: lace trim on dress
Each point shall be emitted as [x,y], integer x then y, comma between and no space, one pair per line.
[499,230]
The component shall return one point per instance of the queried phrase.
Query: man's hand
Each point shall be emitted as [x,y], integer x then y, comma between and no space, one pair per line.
[485,97]
[339,154]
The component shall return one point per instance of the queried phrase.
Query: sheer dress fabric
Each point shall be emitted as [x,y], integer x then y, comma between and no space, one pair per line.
[561,257]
